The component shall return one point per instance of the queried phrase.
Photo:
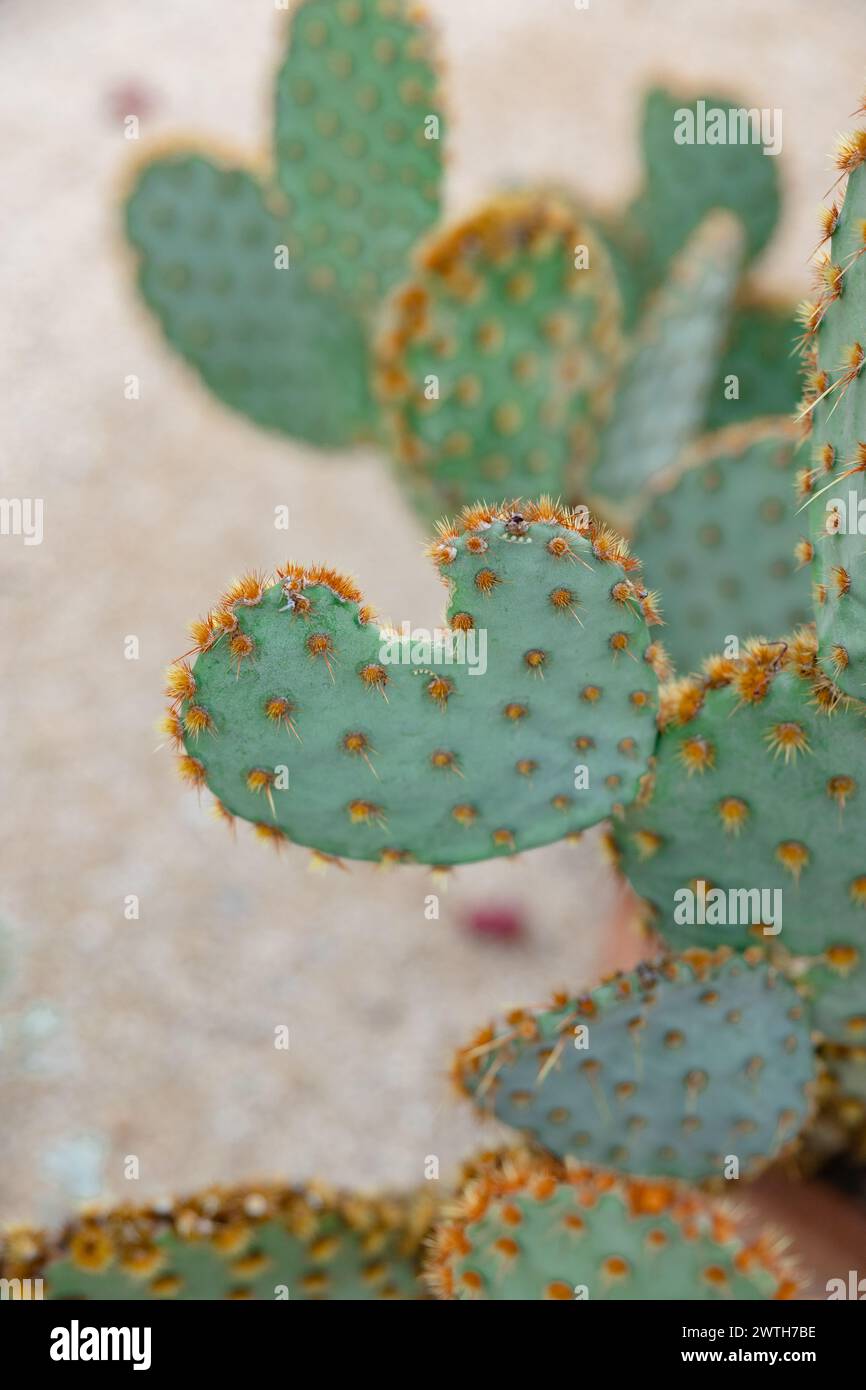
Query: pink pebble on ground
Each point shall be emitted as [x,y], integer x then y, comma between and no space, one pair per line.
[497,923]
[129,99]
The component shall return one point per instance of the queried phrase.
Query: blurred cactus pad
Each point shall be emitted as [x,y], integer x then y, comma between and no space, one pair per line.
[661,398]
[729,496]
[496,359]
[679,184]
[502,369]
[265,1242]
[533,720]
[265,278]
[666,1070]
[526,1229]
[684,178]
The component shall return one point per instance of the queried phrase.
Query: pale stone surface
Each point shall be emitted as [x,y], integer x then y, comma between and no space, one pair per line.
[155,1037]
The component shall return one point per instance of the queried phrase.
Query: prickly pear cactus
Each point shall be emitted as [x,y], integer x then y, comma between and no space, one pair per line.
[303,716]
[263,1242]
[265,285]
[758,777]
[833,489]
[496,360]
[683,181]
[662,395]
[730,497]
[672,1069]
[529,1230]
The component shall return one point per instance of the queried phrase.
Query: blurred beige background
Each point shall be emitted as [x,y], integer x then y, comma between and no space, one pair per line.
[155,1037]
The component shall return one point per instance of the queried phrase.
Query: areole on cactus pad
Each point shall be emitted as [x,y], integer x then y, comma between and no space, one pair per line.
[533,720]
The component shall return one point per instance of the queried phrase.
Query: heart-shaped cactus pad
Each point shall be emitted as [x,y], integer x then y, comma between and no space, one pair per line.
[528,718]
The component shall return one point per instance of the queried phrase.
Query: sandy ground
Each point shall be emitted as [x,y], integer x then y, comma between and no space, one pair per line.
[155,1037]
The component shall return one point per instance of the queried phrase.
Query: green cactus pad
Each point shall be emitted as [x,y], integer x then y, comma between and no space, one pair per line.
[836,406]
[496,362]
[661,398]
[263,1242]
[718,536]
[392,752]
[266,285]
[359,139]
[760,352]
[682,183]
[527,1231]
[673,1069]
[759,776]
[290,358]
